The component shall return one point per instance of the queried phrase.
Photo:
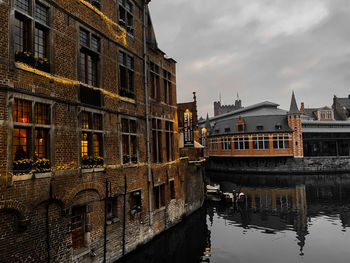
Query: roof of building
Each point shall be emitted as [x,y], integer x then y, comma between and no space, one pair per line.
[293,106]
[325,126]
[253,124]
[344,102]
[259,109]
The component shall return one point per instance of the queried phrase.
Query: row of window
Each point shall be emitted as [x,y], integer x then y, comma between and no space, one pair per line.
[113,205]
[32,124]
[242,143]
[155,77]
[31,14]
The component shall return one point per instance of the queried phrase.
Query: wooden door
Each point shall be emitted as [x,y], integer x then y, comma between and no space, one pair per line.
[78,226]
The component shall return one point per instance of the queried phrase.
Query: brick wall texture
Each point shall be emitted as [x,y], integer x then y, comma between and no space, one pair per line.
[37,209]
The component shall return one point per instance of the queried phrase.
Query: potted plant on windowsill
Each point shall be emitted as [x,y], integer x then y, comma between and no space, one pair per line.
[30,59]
[98,164]
[87,163]
[42,168]
[23,166]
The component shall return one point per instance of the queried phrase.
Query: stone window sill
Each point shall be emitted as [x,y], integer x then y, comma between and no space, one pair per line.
[93,170]
[29,176]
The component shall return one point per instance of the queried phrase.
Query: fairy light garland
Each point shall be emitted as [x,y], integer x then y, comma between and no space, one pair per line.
[66,81]
[109,23]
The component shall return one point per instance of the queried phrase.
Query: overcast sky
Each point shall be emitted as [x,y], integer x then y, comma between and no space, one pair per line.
[260,49]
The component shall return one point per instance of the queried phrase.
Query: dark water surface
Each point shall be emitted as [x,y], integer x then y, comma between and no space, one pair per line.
[285,219]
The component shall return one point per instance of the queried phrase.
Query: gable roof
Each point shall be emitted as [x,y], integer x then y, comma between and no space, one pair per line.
[262,108]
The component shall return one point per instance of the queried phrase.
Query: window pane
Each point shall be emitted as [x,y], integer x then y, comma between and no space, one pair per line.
[84,37]
[97,143]
[97,122]
[41,13]
[42,113]
[23,5]
[85,120]
[21,111]
[40,42]
[95,43]
[132,126]
[85,144]
[125,125]
[20,141]
[41,143]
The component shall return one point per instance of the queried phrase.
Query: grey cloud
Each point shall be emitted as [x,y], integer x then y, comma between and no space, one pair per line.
[260,48]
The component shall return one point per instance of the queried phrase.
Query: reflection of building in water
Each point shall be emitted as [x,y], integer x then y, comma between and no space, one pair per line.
[273,210]
[276,199]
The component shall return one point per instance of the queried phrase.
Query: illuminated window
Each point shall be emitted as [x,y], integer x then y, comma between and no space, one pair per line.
[27,145]
[129,142]
[91,134]
[21,111]
[42,113]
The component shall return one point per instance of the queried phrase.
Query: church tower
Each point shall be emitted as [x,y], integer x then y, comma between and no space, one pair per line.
[294,122]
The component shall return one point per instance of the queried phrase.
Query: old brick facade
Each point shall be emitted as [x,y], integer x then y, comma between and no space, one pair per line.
[72,91]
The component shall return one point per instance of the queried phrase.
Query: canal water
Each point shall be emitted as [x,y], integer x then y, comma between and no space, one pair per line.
[284,219]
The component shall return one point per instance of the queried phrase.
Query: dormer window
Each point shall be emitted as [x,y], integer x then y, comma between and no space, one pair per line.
[240,125]
[259,127]
[227,130]
[278,126]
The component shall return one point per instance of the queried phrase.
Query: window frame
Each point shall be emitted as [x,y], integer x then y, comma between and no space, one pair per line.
[128,69]
[32,127]
[157,140]
[127,24]
[32,24]
[90,130]
[129,134]
[159,196]
[89,58]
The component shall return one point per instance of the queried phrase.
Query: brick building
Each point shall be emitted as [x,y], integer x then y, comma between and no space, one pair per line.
[89,162]
[260,130]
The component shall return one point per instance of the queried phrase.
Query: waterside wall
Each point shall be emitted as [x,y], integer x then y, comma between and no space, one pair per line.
[279,165]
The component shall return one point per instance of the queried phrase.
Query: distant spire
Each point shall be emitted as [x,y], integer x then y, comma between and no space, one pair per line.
[220,97]
[293,106]
[237,96]
[207,123]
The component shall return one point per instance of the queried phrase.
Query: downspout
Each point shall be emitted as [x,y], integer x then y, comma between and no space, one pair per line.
[105,226]
[48,224]
[124,216]
[148,152]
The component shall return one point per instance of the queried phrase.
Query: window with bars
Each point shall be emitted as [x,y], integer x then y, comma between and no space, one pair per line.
[169,140]
[31,30]
[157,140]
[89,57]
[155,81]
[135,201]
[31,133]
[126,16]
[129,140]
[126,75]
[91,134]
[167,87]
